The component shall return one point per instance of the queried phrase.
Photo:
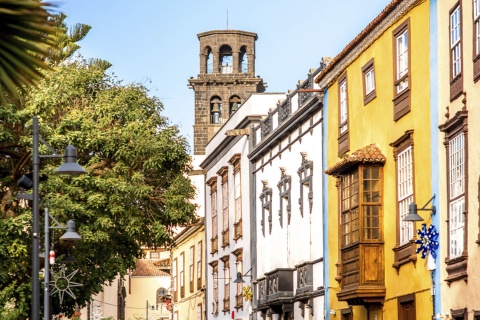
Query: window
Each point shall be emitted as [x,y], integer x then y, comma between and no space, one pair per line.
[305,172]
[191,269]
[226,62]
[459,314]
[209,62]
[237,190]
[360,191]
[199,265]
[226,289]
[239,269]
[216,110]
[456,195]
[456,142]
[455,36]
[234,104]
[243,60]
[361,228]
[346,314]
[181,265]
[174,271]
[401,81]
[456,79]
[154,255]
[369,92]
[285,189]
[175,315]
[266,200]
[406,307]
[476,39]
[403,153]
[343,143]
[212,183]
[214,265]
[223,172]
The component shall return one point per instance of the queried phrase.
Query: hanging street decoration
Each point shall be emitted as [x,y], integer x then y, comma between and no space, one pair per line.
[428,244]
[247,293]
[62,283]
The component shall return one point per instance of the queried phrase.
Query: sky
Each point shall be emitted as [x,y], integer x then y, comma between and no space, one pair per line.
[154,42]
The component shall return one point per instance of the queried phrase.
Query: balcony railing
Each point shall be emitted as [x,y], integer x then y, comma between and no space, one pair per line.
[304,278]
[214,242]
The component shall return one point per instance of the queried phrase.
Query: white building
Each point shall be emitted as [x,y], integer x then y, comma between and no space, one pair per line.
[287,173]
[228,222]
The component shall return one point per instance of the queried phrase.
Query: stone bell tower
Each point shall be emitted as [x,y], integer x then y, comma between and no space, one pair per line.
[226,80]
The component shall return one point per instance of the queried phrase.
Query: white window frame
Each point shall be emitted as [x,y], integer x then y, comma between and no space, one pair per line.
[476,21]
[401,57]
[405,192]
[343,107]
[455,45]
[369,81]
[457,195]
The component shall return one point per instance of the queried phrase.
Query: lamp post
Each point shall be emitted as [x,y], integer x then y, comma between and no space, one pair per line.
[70,235]
[70,166]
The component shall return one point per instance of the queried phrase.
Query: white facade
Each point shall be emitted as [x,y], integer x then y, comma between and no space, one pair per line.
[228,236]
[288,182]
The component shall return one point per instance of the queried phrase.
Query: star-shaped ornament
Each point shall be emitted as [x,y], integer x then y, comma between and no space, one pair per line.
[62,283]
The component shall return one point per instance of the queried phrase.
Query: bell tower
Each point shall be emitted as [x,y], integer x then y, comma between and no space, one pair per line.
[226,80]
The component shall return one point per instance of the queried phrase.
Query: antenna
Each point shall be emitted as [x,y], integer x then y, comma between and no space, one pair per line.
[227,19]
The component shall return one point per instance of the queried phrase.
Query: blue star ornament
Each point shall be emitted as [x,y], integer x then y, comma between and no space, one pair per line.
[428,241]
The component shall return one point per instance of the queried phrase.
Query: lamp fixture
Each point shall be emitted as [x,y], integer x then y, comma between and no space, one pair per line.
[412,211]
[69,167]
[240,277]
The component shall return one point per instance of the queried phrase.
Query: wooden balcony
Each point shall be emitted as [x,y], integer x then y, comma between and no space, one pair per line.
[214,242]
[225,238]
[362,274]
[237,230]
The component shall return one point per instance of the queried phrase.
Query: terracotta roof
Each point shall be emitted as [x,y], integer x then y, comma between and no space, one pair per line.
[389,8]
[148,268]
[368,154]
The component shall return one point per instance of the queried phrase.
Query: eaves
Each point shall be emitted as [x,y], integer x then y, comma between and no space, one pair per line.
[289,125]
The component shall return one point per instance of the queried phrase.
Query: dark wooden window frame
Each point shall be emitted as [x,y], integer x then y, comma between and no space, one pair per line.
[174,280]
[266,201]
[191,269]
[182,276]
[199,266]
[285,192]
[343,137]
[404,253]
[456,83]
[199,305]
[238,253]
[226,284]
[409,298]
[214,265]
[459,314]
[457,267]
[369,66]
[401,100]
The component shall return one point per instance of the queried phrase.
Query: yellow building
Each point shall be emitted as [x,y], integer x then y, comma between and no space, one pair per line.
[459,106]
[188,273]
[379,155]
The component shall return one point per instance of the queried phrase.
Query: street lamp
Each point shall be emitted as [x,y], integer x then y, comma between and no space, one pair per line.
[69,167]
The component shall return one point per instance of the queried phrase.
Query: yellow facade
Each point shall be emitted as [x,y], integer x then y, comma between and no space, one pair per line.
[189,293]
[460,296]
[373,123]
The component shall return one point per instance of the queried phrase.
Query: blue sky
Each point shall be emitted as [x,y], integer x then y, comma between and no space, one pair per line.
[154,42]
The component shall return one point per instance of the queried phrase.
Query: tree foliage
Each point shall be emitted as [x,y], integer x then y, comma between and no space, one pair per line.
[135,193]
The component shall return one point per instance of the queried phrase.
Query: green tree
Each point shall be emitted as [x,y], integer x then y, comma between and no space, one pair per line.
[26,35]
[134,195]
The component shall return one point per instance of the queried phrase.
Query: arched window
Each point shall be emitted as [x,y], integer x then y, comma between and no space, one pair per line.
[209,62]
[243,60]
[216,110]
[226,61]
[234,103]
